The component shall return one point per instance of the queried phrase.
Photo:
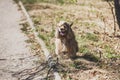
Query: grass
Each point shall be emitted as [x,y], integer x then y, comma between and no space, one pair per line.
[35,48]
[25,27]
[49,1]
[47,37]
[84,49]
[110,53]
[90,36]
[46,22]
[86,16]
[42,37]
[85,41]
[29,1]
[37,20]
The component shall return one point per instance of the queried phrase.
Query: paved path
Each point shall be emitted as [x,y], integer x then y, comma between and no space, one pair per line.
[13,49]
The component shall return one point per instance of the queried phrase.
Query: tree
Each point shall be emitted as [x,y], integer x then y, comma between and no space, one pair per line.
[117,11]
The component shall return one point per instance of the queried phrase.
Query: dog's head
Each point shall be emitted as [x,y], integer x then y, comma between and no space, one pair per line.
[63,28]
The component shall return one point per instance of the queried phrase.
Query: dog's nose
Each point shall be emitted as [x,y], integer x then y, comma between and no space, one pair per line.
[62,29]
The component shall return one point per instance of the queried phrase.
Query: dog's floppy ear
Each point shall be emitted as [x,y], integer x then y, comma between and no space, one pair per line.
[71,24]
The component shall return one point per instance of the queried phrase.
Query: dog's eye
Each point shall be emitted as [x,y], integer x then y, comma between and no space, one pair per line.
[65,27]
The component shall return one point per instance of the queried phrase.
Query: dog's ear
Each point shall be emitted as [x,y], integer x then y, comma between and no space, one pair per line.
[71,24]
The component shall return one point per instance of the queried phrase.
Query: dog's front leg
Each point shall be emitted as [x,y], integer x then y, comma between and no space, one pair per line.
[57,46]
[64,49]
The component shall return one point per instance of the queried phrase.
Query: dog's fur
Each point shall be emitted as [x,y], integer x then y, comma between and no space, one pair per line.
[65,40]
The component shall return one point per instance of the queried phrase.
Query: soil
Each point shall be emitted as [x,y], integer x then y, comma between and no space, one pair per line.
[16,55]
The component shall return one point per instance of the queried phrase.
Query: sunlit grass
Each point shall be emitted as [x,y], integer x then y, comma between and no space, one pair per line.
[85,23]
[49,1]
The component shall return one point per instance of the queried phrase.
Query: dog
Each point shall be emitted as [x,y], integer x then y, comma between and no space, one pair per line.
[65,40]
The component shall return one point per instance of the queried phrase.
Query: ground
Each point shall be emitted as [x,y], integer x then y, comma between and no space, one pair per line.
[99,50]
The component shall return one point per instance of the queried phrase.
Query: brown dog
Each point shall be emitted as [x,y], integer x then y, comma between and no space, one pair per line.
[65,40]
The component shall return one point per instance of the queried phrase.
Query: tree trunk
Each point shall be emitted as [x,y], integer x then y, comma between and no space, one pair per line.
[117,11]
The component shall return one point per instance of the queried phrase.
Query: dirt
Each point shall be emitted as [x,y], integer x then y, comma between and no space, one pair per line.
[15,54]
[88,17]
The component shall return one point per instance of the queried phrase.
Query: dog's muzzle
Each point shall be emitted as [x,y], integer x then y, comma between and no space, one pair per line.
[62,32]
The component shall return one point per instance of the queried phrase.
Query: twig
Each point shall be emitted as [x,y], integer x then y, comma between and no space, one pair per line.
[33,74]
[28,71]
[48,73]
[112,10]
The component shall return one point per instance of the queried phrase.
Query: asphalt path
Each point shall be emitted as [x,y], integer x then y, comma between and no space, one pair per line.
[14,52]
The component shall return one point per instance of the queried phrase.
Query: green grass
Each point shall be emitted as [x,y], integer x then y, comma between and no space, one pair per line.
[90,36]
[42,37]
[85,40]
[76,65]
[47,38]
[110,53]
[25,27]
[37,20]
[47,18]
[29,1]
[43,20]
[84,49]
[49,1]
[33,1]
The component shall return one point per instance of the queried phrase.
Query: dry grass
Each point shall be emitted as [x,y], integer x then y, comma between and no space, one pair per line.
[93,27]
